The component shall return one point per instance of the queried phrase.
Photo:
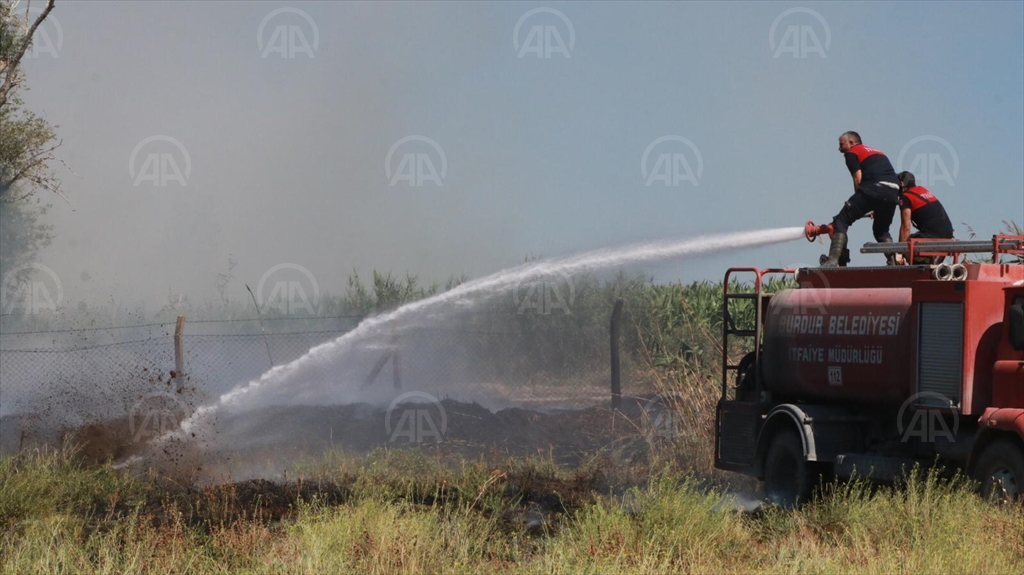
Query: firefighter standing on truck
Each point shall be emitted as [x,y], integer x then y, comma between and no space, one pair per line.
[920,207]
[875,189]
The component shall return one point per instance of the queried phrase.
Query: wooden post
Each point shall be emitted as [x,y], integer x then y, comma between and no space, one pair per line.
[376,369]
[179,354]
[396,370]
[616,388]
[21,433]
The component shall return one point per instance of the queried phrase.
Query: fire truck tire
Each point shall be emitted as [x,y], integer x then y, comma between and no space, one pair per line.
[788,477]
[1000,469]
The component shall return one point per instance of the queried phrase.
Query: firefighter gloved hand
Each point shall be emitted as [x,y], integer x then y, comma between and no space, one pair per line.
[900,260]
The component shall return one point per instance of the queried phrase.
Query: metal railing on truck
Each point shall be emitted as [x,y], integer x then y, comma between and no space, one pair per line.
[929,247]
[729,327]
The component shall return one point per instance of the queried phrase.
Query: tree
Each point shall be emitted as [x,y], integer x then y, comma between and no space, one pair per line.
[27,144]
[15,39]
[22,233]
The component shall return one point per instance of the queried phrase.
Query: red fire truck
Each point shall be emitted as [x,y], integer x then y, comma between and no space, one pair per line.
[868,371]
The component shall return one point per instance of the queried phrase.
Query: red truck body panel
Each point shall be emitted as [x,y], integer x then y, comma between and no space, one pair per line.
[840,344]
[852,335]
[1004,419]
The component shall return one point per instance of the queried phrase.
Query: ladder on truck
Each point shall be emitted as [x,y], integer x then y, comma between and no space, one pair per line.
[729,328]
[734,447]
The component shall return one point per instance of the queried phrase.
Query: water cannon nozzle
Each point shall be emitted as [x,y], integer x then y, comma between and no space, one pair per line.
[812,231]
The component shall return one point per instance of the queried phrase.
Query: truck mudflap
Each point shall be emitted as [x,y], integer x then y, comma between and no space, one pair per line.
[826,431]
[738,423]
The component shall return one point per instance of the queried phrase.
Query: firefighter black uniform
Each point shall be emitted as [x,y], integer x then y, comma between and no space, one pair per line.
[920,207]
[877,192]
[926,213]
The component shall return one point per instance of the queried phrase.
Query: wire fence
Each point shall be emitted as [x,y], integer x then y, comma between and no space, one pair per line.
[496,359]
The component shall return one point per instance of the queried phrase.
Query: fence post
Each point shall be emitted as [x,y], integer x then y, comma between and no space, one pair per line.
[616,320]
[376,368]
[396,370]
[179,354]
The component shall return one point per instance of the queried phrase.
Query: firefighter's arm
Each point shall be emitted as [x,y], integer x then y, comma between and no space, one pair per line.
[904,224]
[857,176]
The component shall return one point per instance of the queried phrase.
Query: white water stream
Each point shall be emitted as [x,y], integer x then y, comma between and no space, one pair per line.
[331,373]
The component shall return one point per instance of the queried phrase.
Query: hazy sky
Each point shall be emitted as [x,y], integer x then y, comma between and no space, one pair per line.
[542,155]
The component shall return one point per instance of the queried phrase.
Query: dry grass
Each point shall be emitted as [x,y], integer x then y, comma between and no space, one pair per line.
[398,511]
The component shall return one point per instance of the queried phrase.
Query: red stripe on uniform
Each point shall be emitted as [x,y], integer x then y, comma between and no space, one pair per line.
[919,197]
[862,152]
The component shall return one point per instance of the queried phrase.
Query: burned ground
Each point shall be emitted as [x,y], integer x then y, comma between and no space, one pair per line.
[265,465]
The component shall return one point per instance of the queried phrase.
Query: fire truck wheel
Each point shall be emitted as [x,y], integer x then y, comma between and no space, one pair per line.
[788,477]
[1000,469]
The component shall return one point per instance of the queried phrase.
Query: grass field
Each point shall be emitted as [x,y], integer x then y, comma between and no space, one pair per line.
[409,511]
[643,504]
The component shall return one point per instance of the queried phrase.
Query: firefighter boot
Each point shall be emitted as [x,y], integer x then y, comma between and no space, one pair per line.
[890,259]
[835,251]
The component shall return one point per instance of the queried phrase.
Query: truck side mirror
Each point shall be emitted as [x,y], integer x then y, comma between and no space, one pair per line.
[1017,325]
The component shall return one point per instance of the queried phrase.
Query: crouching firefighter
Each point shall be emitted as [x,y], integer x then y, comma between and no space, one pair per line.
[920,207]
[875,189]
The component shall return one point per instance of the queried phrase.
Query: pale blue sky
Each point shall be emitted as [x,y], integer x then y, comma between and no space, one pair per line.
[543,155]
